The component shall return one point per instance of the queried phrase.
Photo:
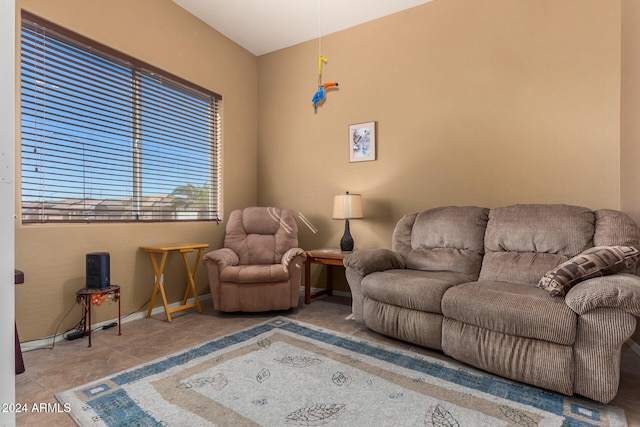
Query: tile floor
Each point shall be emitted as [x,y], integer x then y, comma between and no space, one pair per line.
[72,363]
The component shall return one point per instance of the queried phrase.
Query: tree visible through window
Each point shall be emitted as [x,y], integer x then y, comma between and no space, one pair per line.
[108,138]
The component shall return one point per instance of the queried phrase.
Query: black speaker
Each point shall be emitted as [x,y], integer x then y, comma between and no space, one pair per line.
[98,270]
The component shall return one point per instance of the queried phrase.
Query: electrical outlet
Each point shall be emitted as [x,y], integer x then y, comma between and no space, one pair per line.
[155,278]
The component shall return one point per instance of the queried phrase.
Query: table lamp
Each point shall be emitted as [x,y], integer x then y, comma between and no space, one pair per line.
[347,206]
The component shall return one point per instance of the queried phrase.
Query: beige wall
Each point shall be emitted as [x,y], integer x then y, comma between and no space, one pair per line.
[630,113]
[478,102]
[165,35]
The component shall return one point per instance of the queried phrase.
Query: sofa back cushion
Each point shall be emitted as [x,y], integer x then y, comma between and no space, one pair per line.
[615,228]
[443,239]
[523,242]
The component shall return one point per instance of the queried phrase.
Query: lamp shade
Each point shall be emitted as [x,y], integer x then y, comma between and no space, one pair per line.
[347,206]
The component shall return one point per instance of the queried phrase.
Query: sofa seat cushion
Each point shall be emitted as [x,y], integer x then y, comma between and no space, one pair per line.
[254,273]
[413,289]
[512,309]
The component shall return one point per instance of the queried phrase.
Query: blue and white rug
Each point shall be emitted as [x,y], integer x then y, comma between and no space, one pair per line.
[285,372]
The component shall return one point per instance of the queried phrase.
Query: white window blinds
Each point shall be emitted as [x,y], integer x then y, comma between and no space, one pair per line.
[108,138]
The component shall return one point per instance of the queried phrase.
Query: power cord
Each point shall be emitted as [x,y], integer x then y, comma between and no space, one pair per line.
[78,331]
[55,334]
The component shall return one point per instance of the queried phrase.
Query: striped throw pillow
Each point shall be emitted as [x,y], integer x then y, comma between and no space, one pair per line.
[593,262]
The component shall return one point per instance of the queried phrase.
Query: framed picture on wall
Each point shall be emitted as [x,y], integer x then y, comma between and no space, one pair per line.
[362,142]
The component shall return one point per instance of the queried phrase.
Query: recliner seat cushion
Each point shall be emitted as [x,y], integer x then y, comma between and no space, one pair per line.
[512,309]
[413,289]
[254,273]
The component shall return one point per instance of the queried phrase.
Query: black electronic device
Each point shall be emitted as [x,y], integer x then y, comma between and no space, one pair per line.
[98,270]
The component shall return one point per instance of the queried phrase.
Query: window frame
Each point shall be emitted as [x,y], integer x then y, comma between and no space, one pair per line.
[137,68]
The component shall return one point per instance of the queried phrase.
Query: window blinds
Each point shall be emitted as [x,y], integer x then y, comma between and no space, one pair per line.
[107,138]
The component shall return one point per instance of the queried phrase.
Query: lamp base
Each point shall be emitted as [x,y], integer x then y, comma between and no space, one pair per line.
[346,243]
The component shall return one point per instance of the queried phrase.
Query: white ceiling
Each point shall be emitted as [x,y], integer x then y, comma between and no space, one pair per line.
[263,26]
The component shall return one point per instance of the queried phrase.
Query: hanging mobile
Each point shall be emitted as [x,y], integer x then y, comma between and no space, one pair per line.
[319,96]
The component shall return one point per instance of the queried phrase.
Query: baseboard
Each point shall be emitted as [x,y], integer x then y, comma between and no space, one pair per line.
[47,342]
[336,293]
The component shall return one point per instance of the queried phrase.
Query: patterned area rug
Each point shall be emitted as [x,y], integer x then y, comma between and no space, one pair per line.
[284,372]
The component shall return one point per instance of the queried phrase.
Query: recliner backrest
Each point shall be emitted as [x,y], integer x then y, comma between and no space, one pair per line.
[261,235]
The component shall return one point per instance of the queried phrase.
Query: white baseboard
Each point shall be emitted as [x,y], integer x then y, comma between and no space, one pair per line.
[47,342]
[336,293]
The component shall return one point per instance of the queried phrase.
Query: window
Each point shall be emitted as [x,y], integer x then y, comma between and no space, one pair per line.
[108,138]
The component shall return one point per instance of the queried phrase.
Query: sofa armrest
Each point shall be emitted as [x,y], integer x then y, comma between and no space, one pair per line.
[371,260]
[290,256]
[615,291]
[361,263]
[223,257]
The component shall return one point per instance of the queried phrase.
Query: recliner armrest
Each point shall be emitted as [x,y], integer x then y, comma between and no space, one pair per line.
[371,260]
[615,291]
[290,255]
[223,257]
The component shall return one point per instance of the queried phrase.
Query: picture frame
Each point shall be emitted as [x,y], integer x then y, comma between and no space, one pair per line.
[362,142]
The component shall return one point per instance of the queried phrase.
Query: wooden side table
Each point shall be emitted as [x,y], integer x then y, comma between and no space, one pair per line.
[163,251]
[328,257]
[85,296]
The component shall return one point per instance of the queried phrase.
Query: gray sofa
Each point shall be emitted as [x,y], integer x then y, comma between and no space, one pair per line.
[487,287]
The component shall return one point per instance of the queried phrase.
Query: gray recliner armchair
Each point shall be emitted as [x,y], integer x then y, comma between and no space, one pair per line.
[260,266]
